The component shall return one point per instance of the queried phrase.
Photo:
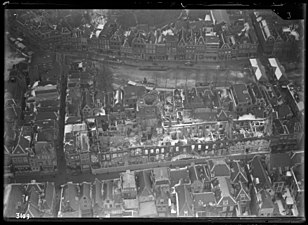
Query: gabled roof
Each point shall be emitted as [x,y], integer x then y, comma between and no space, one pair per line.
[237,170]
[278,70]
[258,171]
[13,195]
[179,174]
[297,157]
[258,68]
[203,199]
[220,16]
[72,194]
[46,116]
[219,168]
[241,94]
[21,146]
[143,183]
[184,200]
[134,92]
[226,189]
[241,188]
[128,179]
[50,194]
[298,175]
[280,160]
[97,193]
[85,196]
[267,202]
[108,190]
[161,174]
[222,116]
[199,172]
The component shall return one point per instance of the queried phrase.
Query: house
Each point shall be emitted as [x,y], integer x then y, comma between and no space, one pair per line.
[20,155]
[85,200]
[97,198]
[219,168]
[181,46]
[144,186]
[162,197]
[242,197]
[7,159]
[49,200]
[132,94]
[258,70]
[128,185]
[70,202]
[87,104]
[46,116]
[238,173]
[200,178]
[178,175]
[126,49]
[220,17]
[138,46]
[277,69]
[111,197]
[202,202]
[161,177]
[263,205]
[45,159]
[147,209]
[259,177]
[34,200]
[264,31]
[298,186]
[13,200]
[184,201]
[241,98]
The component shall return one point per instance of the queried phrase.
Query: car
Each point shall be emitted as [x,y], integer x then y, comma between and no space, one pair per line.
[189,64]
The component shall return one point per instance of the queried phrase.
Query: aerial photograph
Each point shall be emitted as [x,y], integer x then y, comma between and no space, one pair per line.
[138,113]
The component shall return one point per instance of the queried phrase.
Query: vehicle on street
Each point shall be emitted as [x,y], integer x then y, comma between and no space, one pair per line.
[189,63]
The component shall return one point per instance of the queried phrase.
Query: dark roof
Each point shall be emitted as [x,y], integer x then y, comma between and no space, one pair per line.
[46,135]
[258,171]
[221,16]
[280,160]
[143,182]
[49,194]
[203,199]
[134,91]
[297,157]
[46,116]
[219,167]
[237,169]
[284,111]
[241,93]
[179,174]
[49,103]
[184,200]
[266,200]
[14,196]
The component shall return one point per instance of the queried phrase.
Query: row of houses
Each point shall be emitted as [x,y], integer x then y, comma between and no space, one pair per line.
[34,151]
[29,200]
[186,40]
[263,186]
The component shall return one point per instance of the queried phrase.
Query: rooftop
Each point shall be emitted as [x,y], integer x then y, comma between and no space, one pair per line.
[241,93]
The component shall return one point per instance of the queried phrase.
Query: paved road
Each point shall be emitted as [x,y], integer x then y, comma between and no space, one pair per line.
[88,177]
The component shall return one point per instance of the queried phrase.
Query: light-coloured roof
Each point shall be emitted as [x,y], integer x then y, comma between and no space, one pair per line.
[147,209]
[129,180]
[278,72]
[75,127]
[254,63]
